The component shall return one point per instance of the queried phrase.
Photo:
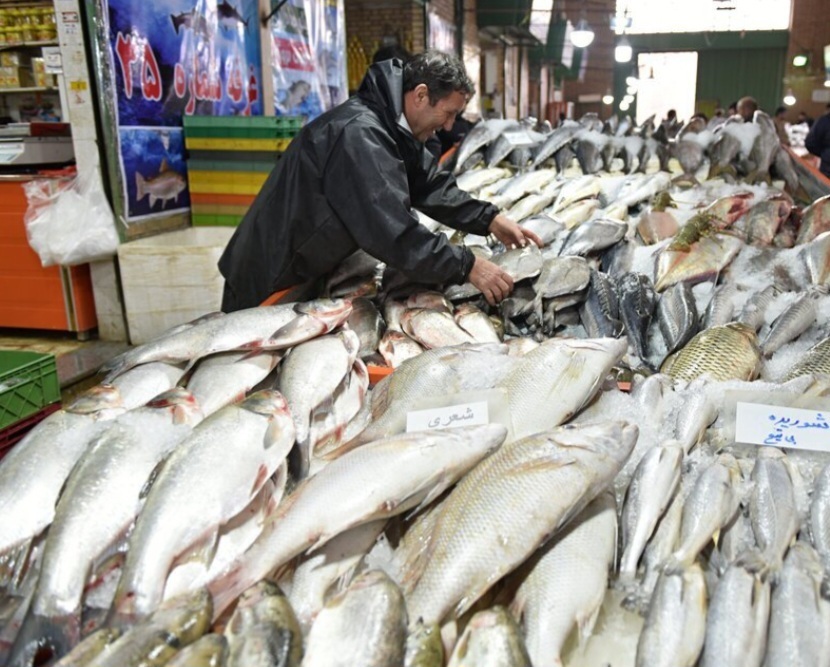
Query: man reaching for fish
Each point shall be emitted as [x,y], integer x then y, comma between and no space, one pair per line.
[349,179]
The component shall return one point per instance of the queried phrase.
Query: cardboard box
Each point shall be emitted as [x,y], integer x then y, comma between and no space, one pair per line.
[16,77]
[171,278]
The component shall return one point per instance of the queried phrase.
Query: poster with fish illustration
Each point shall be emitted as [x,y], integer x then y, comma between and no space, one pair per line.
[154,169]
[171,59]
[308,47]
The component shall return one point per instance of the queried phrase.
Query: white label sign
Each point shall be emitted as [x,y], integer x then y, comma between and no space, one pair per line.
[464,414]
[52,60]
[796,428]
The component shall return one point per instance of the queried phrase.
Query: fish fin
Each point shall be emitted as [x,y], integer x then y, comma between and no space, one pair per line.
[261,476]
[585,624]
[151,479]
[380,397]
[164,166]
[542,463]
[202,551]
[153,200]
[139,187]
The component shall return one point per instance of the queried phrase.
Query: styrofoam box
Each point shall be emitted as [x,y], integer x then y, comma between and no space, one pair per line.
[171,278]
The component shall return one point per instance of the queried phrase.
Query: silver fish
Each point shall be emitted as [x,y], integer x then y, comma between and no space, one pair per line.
[815,361]
[367,323]
[143,383]
[637,302]
[675,627]
[772,505]
[677,316]
[720,309]
[434,328]
[227,377]
[557,139]
[520,263]
[392,312]
[544,226]
[593,236]
[820,517]
[198,489]
[567,581]
[651,490]
[474,544]
[764,149]
[584,187]
[693,418]
[815,220]
[756,306]
[396,347]
[476,323]
[364,625]
[429,299]
[481,135]
[360,264]
[791,323]
[530,205]
[472,181]
[645,190]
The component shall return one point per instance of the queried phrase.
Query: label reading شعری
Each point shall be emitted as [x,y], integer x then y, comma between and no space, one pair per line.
[465,414]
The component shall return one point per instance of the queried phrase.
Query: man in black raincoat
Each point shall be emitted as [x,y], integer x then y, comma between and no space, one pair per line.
[349,180]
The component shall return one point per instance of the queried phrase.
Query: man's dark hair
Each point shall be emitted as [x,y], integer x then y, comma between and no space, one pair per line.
[442,73]
[780,110]
[389,52]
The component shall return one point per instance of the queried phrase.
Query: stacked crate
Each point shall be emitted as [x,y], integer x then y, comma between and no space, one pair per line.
[29,392]
[228,160]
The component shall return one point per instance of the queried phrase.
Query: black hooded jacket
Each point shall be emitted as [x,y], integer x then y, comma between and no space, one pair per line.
[348,180]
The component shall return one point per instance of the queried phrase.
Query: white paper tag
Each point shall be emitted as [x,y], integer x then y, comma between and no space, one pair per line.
[52,60]
[464,414]
[759,424]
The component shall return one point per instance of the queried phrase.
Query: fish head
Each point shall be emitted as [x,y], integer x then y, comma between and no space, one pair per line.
[332,312]
[615,439]
[181,402]
[267,402]
[102,397]
[731,207]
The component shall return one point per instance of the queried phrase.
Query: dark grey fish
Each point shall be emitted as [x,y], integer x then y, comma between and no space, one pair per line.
[591,121]
[600,314]
[520,157]
[593,236]
[475,160]
[554,142]
[477,138]
[563,158]
[677,316]
[637,302]
[756,306]
[720,308]
[588,152]
[783,166]
[764,149]
[498,150]
[367,322]
[618,259]
[360,264]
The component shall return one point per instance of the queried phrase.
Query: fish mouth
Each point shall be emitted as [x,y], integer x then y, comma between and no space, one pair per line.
[44,639]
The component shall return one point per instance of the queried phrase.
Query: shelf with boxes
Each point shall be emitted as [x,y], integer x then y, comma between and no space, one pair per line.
[228,160]
[27,25]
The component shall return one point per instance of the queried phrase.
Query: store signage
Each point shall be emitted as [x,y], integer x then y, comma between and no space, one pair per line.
[779,426]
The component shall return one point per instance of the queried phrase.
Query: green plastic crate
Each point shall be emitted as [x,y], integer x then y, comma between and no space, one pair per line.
[28,383]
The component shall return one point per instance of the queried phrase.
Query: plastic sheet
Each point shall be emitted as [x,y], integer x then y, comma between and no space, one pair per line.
[71,223]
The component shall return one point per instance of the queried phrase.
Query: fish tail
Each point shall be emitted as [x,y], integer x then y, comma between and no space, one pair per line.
[139,187]
[43,639]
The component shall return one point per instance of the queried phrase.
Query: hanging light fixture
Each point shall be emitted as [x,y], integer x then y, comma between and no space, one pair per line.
[582,35]
[623,51]
[799,60]
[827,83]
[789,98]
[624,106]
[608,98]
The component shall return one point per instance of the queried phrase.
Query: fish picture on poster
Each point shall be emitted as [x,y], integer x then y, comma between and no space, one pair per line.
[177,58]
[155,173]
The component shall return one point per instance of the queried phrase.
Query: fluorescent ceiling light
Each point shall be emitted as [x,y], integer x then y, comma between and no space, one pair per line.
[582,35]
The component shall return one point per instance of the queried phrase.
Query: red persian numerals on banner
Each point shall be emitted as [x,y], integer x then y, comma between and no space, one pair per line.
[203,84]
[293,54]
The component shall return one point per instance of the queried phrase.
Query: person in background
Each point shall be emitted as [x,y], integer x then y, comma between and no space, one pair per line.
[804,118]
[350,179]
[780,121]
[818,142]
[732,109]
[746,108]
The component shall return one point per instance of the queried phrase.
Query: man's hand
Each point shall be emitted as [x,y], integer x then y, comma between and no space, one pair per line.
[511,234]
[494,283]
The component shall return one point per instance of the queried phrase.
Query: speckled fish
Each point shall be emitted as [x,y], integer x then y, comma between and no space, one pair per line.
[675,627]
[728,352]
[567,581]
[799,616]
[329,567]
[772,505]
[704,259]
[657,223]
[33,473]
[424,647]
[711,504]
[363,625]
[378,480]
[793,321]
[571,370]
[721,307]
[600,314]
[199,488]
[736,625]
[396,347]
[648,495]
[677,316]
[229,376]
[815,220]
[263,630]
[541,481]
[154,641]
[583,187]
[637,302]
[755,308]
[530,205]
[763,220]
[475,322]
[491,639]
[472,181]
[557,139]
[98,504]
[268,327]
[367,323]
[90,648]
[207,651]
[646,189]
[815,360]
[816,255]
[309,377]
[593,237]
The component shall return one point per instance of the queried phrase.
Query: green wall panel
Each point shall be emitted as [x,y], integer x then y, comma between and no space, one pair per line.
[723,76]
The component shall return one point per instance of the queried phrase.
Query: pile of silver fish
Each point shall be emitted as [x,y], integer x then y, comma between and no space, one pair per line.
[235,492]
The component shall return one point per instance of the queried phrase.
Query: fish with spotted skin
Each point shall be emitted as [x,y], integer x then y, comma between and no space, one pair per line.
[727,352]
[799,316]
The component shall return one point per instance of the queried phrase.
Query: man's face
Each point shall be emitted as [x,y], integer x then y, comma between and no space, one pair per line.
[425,118]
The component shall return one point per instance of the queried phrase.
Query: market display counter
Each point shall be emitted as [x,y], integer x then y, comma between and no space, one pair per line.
[31,296]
